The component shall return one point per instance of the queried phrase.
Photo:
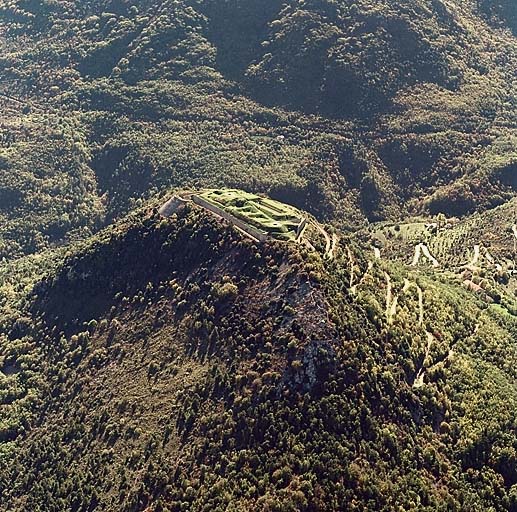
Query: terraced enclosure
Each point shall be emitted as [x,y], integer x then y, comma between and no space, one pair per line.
[269,217]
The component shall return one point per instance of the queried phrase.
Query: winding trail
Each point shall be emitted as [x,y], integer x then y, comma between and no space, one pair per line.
[328,242]
[492,260]
[420,305]
[419,379]
[351,260]
[391,300]
[475,261]
[32,104]
[335,241]
[475,257]
[353,267]
[422,248]
[299,238]
[416,257]
[407,286]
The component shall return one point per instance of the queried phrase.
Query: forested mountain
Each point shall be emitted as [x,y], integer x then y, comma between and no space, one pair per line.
[354,111]
[152,363]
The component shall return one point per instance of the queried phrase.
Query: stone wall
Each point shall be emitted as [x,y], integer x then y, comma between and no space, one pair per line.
[173,205]
[254,232]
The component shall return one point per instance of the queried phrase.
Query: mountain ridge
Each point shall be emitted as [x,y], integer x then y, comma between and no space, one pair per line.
[228,341]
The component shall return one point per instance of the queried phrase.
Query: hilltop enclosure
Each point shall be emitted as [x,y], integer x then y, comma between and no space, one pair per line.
[258,255]
[258,217]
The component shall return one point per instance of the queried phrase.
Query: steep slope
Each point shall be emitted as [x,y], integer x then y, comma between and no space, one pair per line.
[175,365]
[502,13]
[152,364]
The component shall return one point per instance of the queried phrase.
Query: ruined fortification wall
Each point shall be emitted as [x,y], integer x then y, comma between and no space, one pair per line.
[254,232]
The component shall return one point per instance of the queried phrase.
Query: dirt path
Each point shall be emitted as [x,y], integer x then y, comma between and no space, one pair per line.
[416,257]
[354,284]
[475,261]
[492,261]
[419,379]
[299,238]
[420,305]
[335,241]
[423,249]
[351,260]
[391,300]
[475,257]
[429,256]
[328,242]
[407,286]
[426,366]
[514,231]
[30,104]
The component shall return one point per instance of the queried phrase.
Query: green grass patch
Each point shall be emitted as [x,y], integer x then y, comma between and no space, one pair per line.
[277,219]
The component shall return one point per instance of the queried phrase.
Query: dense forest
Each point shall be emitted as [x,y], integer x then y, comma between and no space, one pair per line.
[173,364]
[218,373]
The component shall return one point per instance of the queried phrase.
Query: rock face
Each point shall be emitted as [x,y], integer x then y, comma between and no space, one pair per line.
[173,205]
[319,359]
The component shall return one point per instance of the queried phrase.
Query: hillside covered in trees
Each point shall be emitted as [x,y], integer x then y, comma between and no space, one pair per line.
[173,364]
[220,373]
